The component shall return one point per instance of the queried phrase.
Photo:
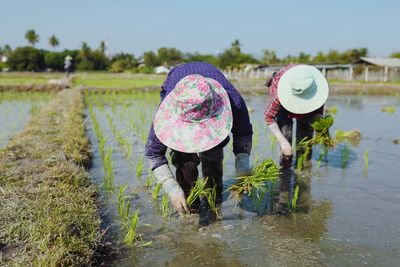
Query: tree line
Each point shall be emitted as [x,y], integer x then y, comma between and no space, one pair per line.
[30,58]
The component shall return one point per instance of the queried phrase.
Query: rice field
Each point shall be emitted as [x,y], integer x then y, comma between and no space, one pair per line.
[308,217]
[339,209]
[16,109]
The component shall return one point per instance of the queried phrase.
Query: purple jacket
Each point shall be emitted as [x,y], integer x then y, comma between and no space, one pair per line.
[241,129]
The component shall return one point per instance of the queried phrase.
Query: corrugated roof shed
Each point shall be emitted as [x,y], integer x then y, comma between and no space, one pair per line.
[382,61]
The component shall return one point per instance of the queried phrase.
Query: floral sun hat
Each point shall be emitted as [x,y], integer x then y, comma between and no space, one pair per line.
[302,89]
[194,117]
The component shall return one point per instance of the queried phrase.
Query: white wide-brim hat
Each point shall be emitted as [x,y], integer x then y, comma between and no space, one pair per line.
[195,116]
[302,89]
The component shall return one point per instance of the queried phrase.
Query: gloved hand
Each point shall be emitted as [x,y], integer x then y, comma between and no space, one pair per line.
[165,177]
[283,142]
[242,163]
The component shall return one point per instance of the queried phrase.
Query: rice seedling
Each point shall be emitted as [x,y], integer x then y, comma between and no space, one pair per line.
[344,156]
[150,179]
[256,135]
[108,170]
[295,198]
[366,159]
[389,109]
[131,226]
[256,182]
[165,206]
[123,204]
[200,190]
[156,191]
[273,141]
[139,167]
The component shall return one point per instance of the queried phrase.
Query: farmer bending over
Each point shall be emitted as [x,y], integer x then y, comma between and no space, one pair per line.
[199,108]
[297,91]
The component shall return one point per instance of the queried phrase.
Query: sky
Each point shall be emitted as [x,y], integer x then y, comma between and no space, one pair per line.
[206,26]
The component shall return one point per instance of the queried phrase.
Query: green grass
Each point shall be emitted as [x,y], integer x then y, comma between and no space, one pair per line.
[389,109]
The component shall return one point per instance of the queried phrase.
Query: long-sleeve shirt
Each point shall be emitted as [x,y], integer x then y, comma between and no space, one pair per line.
[241,130]
[275,105]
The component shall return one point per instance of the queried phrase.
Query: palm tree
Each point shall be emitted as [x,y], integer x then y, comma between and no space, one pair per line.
[53,41]
[236,46]
[32,37]
[102,47]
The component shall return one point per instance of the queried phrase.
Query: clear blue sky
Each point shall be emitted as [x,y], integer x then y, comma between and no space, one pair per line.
[207,26]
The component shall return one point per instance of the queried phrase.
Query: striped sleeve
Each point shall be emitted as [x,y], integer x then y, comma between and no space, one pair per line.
[275,105]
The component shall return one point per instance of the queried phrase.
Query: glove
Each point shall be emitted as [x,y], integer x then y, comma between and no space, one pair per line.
[165,177]
[283,142]
[242,167]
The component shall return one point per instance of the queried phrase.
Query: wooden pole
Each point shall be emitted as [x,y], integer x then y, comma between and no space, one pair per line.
[351,73]
[385,74]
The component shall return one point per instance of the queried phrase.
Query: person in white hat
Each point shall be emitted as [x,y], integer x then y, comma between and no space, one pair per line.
[300,92]
[199,108]
[68,65]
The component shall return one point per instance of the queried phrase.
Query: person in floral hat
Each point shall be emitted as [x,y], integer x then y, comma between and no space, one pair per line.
[199,108]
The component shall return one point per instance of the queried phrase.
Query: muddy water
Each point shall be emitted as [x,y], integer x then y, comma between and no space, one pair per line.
[15,111]
[345,215]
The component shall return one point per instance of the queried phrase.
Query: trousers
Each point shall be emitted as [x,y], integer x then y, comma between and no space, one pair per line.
[187,172]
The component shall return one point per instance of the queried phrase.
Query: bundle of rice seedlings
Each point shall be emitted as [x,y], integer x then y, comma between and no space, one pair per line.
[256,182]
[389,109]
[332,110]
[322,135]
[354,134]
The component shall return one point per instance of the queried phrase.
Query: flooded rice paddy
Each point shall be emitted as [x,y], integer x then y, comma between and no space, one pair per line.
[16,109]
[347,212]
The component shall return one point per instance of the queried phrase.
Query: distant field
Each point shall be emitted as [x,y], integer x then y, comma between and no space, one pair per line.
[125,80]
[26,78]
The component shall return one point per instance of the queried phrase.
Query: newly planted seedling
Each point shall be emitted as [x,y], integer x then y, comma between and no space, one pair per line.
[123,204]
[131,226]
[156,191]
[366,159]
[139,167]
[344,156]
[295,197]
[165,206]
[150,179]
[200,190]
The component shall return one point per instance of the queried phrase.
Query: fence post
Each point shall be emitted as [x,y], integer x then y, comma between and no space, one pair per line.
[385,74]
[366,74]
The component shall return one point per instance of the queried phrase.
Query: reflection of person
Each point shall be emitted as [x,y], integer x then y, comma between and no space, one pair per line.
[297,91]
[68,65]
[199,108]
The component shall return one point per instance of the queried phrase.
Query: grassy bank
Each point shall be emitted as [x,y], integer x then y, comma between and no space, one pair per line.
[48,203]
